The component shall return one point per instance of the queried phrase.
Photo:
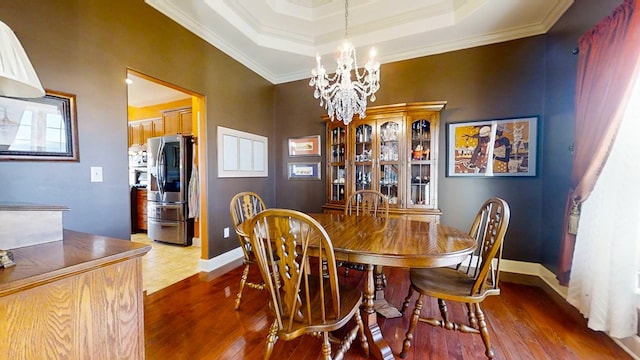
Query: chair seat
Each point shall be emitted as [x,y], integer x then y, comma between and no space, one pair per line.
[447,284]
[350,301]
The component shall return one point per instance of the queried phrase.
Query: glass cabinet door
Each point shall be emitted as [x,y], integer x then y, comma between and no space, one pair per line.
[363,157]
[336,142]
[390,135]
[420,164]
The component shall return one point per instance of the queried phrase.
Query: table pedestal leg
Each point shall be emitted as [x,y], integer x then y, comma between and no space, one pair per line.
[378,347]
[380,304]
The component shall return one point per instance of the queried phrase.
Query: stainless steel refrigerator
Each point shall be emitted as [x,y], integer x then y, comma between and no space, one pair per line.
[169,162]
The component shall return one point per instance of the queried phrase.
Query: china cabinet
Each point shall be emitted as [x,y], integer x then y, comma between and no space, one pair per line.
[394,150]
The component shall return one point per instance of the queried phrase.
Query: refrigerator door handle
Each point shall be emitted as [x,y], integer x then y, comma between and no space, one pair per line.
[160,169]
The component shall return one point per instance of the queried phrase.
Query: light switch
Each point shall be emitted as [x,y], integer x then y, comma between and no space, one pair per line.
[226,232]
[96,174]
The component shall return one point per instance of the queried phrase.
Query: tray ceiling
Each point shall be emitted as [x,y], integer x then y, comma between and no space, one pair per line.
[279,39]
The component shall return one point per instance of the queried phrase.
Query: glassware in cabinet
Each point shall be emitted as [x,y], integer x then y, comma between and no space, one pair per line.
[390,135]
[420,164]
[363,157]
[337,144]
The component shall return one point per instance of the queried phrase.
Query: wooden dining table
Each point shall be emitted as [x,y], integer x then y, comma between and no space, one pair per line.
[398,242]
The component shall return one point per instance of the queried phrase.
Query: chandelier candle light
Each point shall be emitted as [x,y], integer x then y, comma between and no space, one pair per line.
[342,96]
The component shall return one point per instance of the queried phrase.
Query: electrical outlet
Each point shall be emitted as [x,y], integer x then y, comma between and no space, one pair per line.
[226,232]
[96,174]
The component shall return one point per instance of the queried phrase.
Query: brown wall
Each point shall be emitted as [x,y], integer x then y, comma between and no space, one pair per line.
[482,83]
[85,48]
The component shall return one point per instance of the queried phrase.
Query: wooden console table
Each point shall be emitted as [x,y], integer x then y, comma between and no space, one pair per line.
[78,298]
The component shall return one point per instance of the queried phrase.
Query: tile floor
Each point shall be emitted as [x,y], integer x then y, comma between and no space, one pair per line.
[166,264]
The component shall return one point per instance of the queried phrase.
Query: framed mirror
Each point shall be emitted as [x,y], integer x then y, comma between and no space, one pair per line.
[39,129]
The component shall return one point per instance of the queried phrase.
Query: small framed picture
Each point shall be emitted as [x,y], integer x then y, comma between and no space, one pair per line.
[304,171]
[504,147]
[304,146]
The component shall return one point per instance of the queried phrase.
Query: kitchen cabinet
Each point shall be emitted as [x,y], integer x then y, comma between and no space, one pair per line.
[138,209]
[177,121]
[147,130]
[141,209]
[158,127]
[394,150]
[135,134]
[141,130]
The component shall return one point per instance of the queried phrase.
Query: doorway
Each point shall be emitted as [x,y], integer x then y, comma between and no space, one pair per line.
[156,108]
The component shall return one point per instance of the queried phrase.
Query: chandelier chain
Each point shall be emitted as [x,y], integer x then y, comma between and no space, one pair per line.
[346,19]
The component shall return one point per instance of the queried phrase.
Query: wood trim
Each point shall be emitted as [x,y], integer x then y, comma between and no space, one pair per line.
[200,133]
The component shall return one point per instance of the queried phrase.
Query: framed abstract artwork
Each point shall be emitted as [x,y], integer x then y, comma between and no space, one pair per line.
[502,147]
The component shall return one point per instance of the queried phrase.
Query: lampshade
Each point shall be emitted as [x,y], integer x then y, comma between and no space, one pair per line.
[17,76]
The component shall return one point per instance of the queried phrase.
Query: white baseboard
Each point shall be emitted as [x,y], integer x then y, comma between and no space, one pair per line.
[631,345]
[220,260]
[535,269]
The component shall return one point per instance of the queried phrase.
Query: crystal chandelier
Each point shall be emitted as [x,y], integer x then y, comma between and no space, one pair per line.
[341,95]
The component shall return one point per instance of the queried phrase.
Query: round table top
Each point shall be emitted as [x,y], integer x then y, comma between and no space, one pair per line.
[398,242]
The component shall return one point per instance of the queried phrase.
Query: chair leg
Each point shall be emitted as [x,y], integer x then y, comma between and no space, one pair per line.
[272,337]
[484,332]
[473,322]
[407,300]
[364,343]
[326,346]
[346,342]
[414,320]
[243,281]
[444,313]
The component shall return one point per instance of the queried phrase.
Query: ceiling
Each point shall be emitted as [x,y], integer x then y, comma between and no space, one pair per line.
[279,39]
[142,92]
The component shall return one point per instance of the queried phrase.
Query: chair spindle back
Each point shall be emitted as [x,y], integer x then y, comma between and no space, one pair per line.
[299,295]
[488,228]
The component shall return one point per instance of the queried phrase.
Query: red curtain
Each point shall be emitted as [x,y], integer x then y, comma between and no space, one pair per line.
[607,64]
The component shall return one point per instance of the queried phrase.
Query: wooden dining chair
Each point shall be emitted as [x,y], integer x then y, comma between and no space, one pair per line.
[470,282]
[365,203]
[302,300]
[244,206]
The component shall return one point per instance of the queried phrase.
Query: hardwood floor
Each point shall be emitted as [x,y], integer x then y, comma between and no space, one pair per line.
[194,319]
